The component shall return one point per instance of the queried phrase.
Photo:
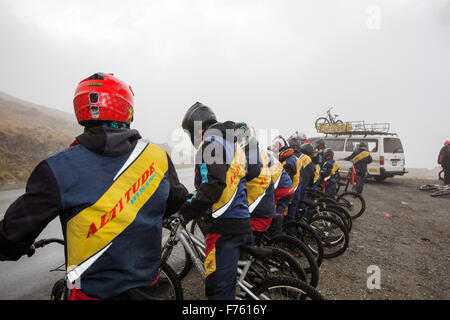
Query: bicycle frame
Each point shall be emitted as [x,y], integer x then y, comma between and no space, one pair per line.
[351,176]
[330,116]
[196,248]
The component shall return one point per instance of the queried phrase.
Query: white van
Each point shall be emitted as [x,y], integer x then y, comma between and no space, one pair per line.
[386,151]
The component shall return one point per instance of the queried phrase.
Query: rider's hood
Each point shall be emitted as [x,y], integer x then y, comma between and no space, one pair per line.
[225,129]
[108,141]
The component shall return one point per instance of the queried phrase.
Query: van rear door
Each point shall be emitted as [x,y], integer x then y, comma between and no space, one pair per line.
[394,157]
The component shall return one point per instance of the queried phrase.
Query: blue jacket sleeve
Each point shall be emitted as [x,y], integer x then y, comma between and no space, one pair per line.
[27,217]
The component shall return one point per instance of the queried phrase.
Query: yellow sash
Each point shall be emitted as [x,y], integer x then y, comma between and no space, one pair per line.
[257,187]
[235,173]
[95,227]
[361,156]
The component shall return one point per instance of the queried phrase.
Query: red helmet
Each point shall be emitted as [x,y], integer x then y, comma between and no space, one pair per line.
[103,97]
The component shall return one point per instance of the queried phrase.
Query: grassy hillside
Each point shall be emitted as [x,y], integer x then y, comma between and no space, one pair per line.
[28,134]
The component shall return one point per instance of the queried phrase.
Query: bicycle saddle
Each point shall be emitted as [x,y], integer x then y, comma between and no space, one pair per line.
[257,251]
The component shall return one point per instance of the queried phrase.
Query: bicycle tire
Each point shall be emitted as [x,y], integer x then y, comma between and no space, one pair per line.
[328,204]
[300,252]
[325,225]
[318,121]
[306,235]
[59,290]
[279,263]
[440,193]
[340,213]
[287,288]
[179,260]
[348,205]
[169,285]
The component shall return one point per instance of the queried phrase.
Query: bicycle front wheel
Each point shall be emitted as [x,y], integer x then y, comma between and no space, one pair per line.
[177,257]
[59,291]
[169,285]
[353,203]
[278,263]
[279,288]
[333,234]
[307,235]
[301,253]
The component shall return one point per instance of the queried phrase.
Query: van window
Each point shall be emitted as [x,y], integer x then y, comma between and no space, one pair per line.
[335,144]
[352,144]
[392,145]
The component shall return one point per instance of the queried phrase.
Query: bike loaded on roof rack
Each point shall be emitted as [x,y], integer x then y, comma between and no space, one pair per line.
[354,128]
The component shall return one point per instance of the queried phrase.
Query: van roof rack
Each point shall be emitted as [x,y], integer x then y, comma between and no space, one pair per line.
[354,128]
[359,133]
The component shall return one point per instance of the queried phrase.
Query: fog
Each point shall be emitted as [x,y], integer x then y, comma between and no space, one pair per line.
[274,64]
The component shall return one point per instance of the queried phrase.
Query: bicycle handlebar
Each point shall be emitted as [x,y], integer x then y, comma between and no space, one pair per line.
[41,243]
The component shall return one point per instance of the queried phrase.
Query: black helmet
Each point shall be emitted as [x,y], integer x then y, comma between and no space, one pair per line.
[320,144]
[198,112]
[307,148]
[328,153]
[294,143]
[362,145]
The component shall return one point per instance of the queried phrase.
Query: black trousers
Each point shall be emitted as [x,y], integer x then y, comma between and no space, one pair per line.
[446,175]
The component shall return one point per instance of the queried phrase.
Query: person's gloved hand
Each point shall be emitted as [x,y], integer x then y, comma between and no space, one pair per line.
[187,212]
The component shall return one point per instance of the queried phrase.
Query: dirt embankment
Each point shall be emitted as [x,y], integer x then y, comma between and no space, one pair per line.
[404,232]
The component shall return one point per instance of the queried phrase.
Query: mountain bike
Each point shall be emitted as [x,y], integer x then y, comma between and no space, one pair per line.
[278,262]
[350,178]
[254,281]
[438,190]
[169,286]
[330,120]
[289,245]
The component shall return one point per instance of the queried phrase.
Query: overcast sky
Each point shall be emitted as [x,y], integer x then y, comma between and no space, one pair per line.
[275,64]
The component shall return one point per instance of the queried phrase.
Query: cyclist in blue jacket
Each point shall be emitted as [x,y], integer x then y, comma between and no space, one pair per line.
[328,173]
[220,198]
[111,192]
[361,158]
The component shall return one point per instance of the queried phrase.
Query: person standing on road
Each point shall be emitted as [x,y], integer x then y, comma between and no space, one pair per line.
[444,161]
[361,158]
[221,198]
[111,192]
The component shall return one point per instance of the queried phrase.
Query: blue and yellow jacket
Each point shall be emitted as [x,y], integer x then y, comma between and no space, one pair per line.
[361,159]
[111,202]
[260,188]
[284,190]
[307,169]
[220,182]
[329,171]
[292,165]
